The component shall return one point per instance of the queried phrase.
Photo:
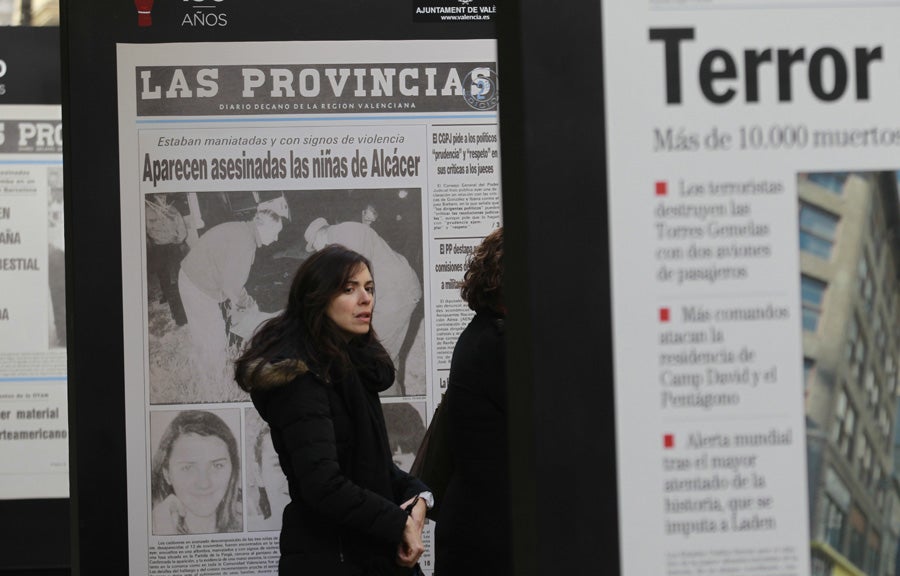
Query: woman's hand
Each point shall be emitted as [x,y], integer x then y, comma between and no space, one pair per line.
[168,515]
[411,548]
[420,508]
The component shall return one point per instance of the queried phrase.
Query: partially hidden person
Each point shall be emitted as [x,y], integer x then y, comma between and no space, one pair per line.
[473,523]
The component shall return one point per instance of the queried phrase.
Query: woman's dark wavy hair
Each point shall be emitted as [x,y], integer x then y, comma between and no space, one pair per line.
[201,423]
[482,285]
[303,329]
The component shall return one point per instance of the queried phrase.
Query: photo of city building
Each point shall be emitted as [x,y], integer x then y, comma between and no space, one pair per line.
[849,263]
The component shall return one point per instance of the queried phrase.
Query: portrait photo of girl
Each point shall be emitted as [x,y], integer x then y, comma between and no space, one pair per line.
[195,476]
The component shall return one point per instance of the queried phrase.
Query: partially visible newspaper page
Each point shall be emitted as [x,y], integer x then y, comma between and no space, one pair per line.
[390,148]
[34,457]
[754,150]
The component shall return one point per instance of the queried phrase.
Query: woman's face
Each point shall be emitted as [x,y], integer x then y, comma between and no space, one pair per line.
[351,309]
[199,471]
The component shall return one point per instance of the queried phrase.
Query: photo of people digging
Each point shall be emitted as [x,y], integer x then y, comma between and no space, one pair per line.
[220,263]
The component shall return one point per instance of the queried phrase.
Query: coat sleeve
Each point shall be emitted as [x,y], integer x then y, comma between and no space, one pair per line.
[302,413]
[405,485]
[491,355]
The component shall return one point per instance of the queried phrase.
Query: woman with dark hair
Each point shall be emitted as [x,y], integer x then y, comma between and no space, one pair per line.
[195,477]
[472,533]
[314,373]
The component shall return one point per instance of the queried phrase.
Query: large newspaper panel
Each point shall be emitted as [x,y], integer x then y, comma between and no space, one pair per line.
[753,158]
[33,410]
[390,148]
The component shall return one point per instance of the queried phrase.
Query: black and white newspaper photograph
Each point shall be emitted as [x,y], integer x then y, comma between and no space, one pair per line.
[195,478]
[56,257]
[267,486]
[222,264]
[405,423]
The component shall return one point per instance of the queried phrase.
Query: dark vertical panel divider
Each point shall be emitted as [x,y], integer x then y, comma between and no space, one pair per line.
[557,282]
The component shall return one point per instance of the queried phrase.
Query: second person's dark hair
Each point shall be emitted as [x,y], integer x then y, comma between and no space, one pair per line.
[482,285]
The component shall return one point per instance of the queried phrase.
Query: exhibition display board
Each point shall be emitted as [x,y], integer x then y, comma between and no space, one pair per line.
[753,203]
[557,289]
[388,148]
[333,114]
[34,435]
[34,473]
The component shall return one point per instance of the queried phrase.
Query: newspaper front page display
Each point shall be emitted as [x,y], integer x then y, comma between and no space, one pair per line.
[753,161]
[33,410]
[390,148]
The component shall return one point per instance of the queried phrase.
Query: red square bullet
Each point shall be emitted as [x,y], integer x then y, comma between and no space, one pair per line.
[669,441]
[661,188]
[663,314]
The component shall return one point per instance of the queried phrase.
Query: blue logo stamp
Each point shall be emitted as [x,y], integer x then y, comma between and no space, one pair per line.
[481,89]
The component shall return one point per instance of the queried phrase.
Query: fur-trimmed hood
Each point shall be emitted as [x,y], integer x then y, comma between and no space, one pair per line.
[370,365]
[257,376]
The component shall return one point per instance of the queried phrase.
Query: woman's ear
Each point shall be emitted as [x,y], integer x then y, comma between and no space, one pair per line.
[165,472]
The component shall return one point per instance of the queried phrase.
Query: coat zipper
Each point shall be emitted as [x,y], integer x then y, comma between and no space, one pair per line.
[341,548]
